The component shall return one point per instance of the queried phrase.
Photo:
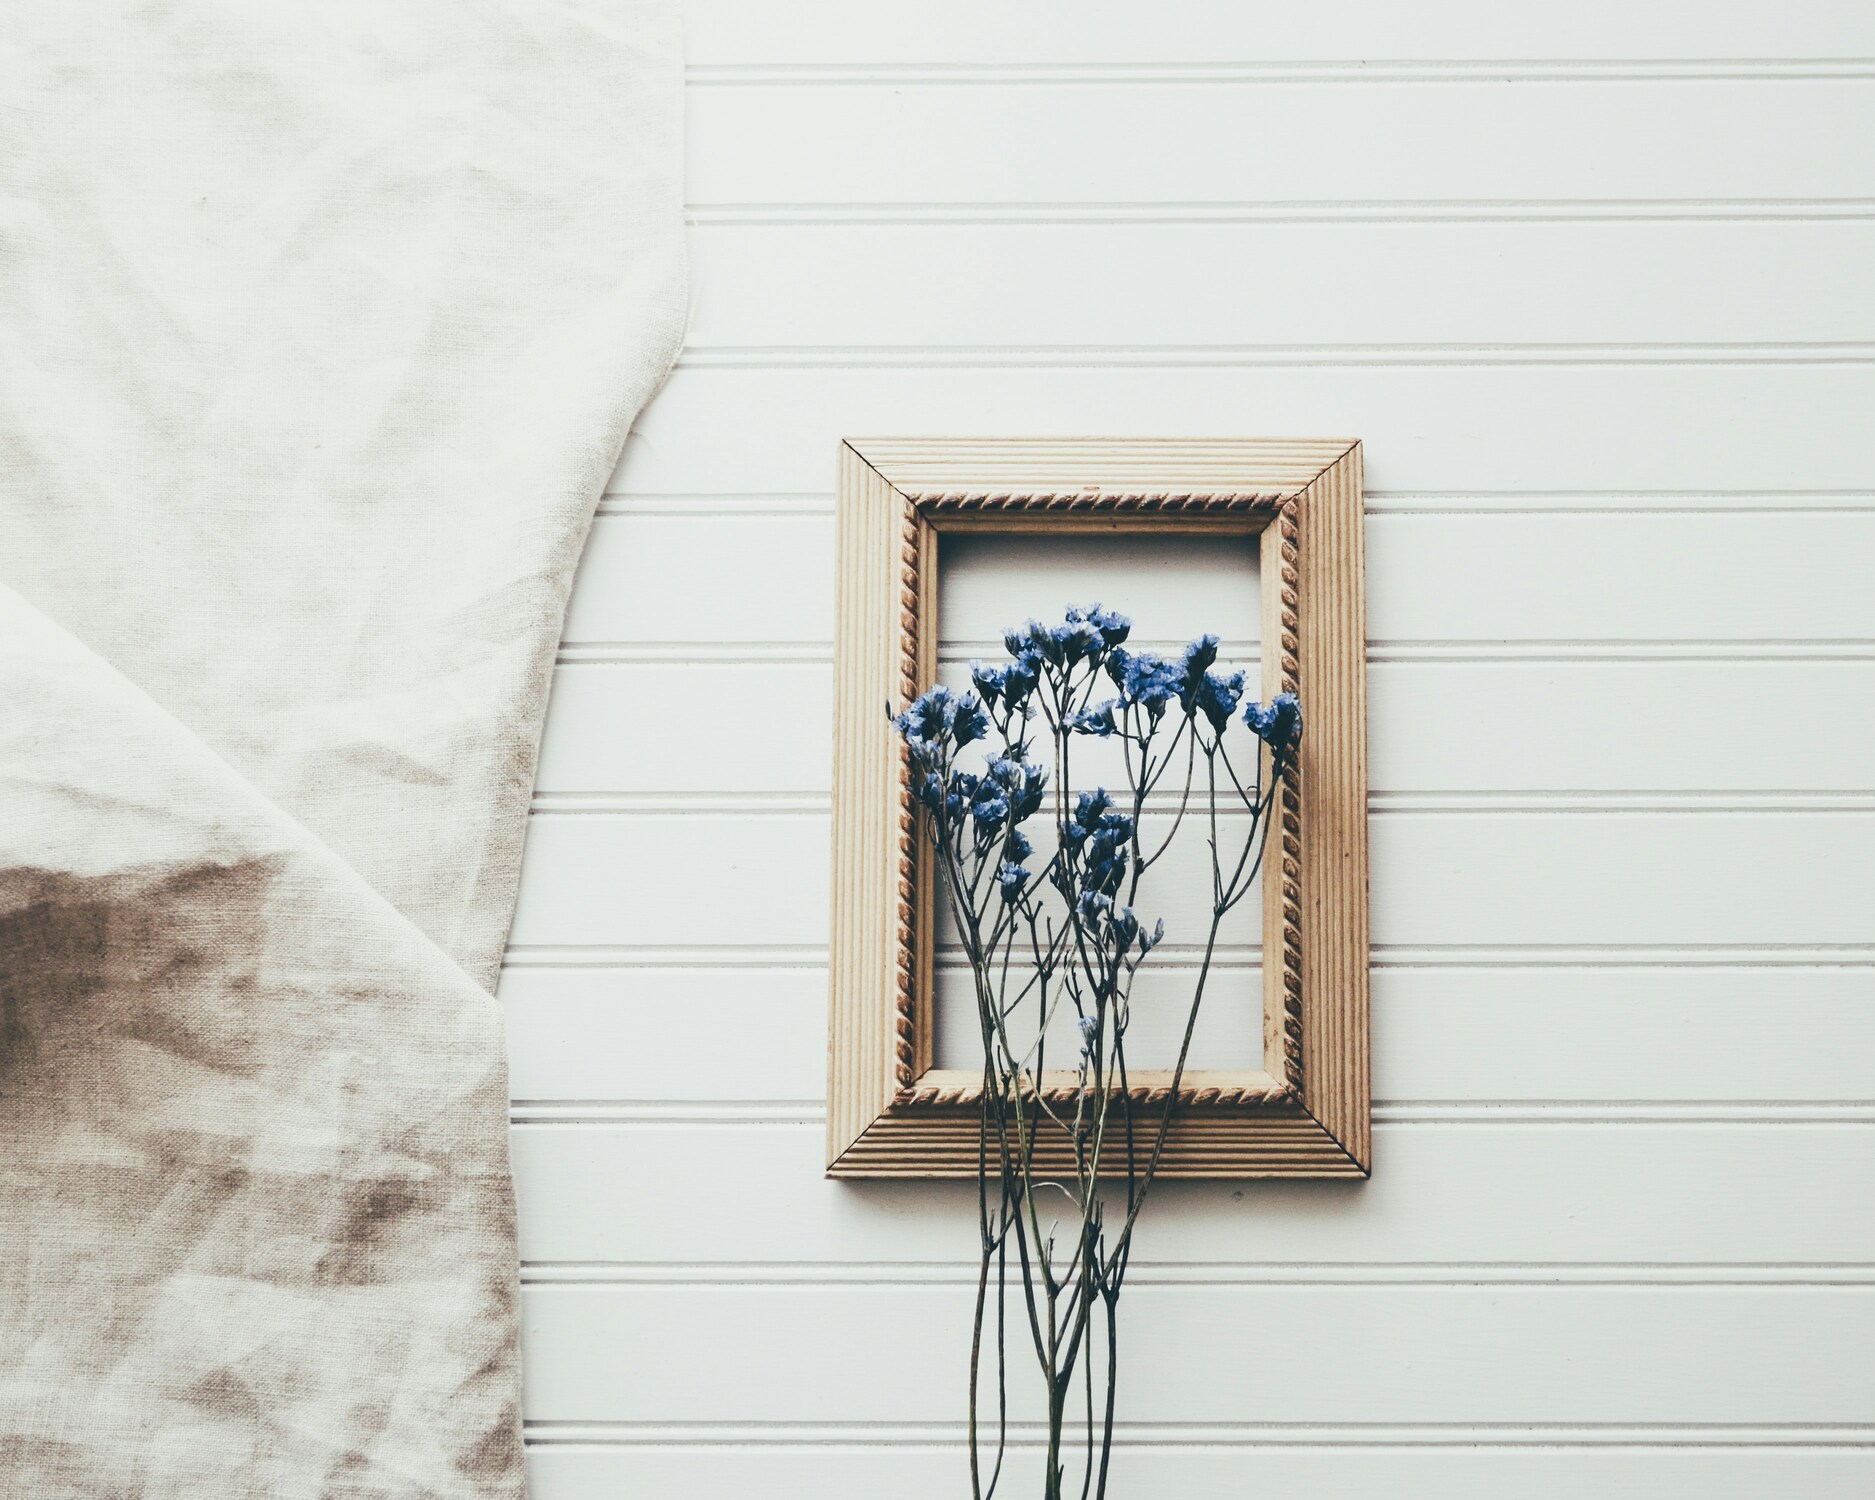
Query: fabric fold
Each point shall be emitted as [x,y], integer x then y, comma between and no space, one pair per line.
[326,326]
[256,1224]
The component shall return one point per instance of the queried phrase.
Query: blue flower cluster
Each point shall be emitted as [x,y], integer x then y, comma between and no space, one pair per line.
[980,810]
[1087,633]
[982,813]
[941,721]
[1008,792]
[1280,725]
[1007,688]
[1102,837]
[1151,683]
[1092,635]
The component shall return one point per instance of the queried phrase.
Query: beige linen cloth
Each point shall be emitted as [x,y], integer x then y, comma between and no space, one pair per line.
[321,327]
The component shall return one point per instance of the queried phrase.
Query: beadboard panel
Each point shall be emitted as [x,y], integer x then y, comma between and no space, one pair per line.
[1242,285]
[1440,880]
[1746,1037]
[1479,728]
[1370,1354]
[893,141]
[1445,1194]
[1521,422]
[1589,283]
[1448,579]
[1298,1466]
[852,33]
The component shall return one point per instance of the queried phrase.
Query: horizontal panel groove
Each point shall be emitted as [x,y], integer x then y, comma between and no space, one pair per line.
[695,653]
[659,1111]
[740,804]
[706,653]
[781,506]
[1197,357]
[1192,1436]
[1272,211]
[1623,1112]
[716,956]
[1623,956]
[1379,502]
[1548,956]
[1205,71]
[1656,427]
[1617,650]
[1537,803]
[1224,1273]
[1386,1112]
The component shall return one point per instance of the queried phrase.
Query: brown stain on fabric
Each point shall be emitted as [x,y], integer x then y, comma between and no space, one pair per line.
[51,960]
[225,1395]
[149,1029]
[138,955]
[499,1454]
[368,1215]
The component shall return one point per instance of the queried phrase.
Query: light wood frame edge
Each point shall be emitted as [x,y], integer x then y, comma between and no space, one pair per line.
[888,1114]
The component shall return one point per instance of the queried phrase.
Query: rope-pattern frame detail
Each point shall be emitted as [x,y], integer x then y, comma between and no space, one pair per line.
[1144,1095]
[906,1006]
[1153,502]
[1286,530]
[1283,508]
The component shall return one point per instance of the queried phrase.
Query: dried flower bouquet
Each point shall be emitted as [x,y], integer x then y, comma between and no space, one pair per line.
[1044,930]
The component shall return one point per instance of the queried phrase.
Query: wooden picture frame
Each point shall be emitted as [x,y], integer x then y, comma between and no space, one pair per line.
[1306,1112]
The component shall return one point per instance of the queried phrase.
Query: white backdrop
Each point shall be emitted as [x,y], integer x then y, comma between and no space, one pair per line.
[1594,283]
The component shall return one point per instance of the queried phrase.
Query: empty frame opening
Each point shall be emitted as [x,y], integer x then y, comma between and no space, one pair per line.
[1174,588]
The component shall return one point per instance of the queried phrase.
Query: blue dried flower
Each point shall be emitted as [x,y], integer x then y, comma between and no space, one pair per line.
[1075,641]
[1021,783]
[971,722]
[1089,809]
[929,717]
[1011,878]
[1280,725]
[1113,626]
[1112,832]
[1027,802]
[1033,639]
[990,807]
[1103,837]
[1020,678]
[1097,721]
[1217,697]
[1286,730]
[947,798]
[939,715]
[959,794]
[1192,666]
[1146,679]
[1010,682]
[1094,905]
[1018,848]
[1090,1029]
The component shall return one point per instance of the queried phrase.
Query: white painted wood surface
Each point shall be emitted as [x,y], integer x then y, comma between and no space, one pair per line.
[1593,284]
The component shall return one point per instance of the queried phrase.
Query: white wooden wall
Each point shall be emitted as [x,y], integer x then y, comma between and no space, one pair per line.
[1596,283]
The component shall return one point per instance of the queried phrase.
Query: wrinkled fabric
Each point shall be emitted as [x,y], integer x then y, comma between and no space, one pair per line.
[323,329]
